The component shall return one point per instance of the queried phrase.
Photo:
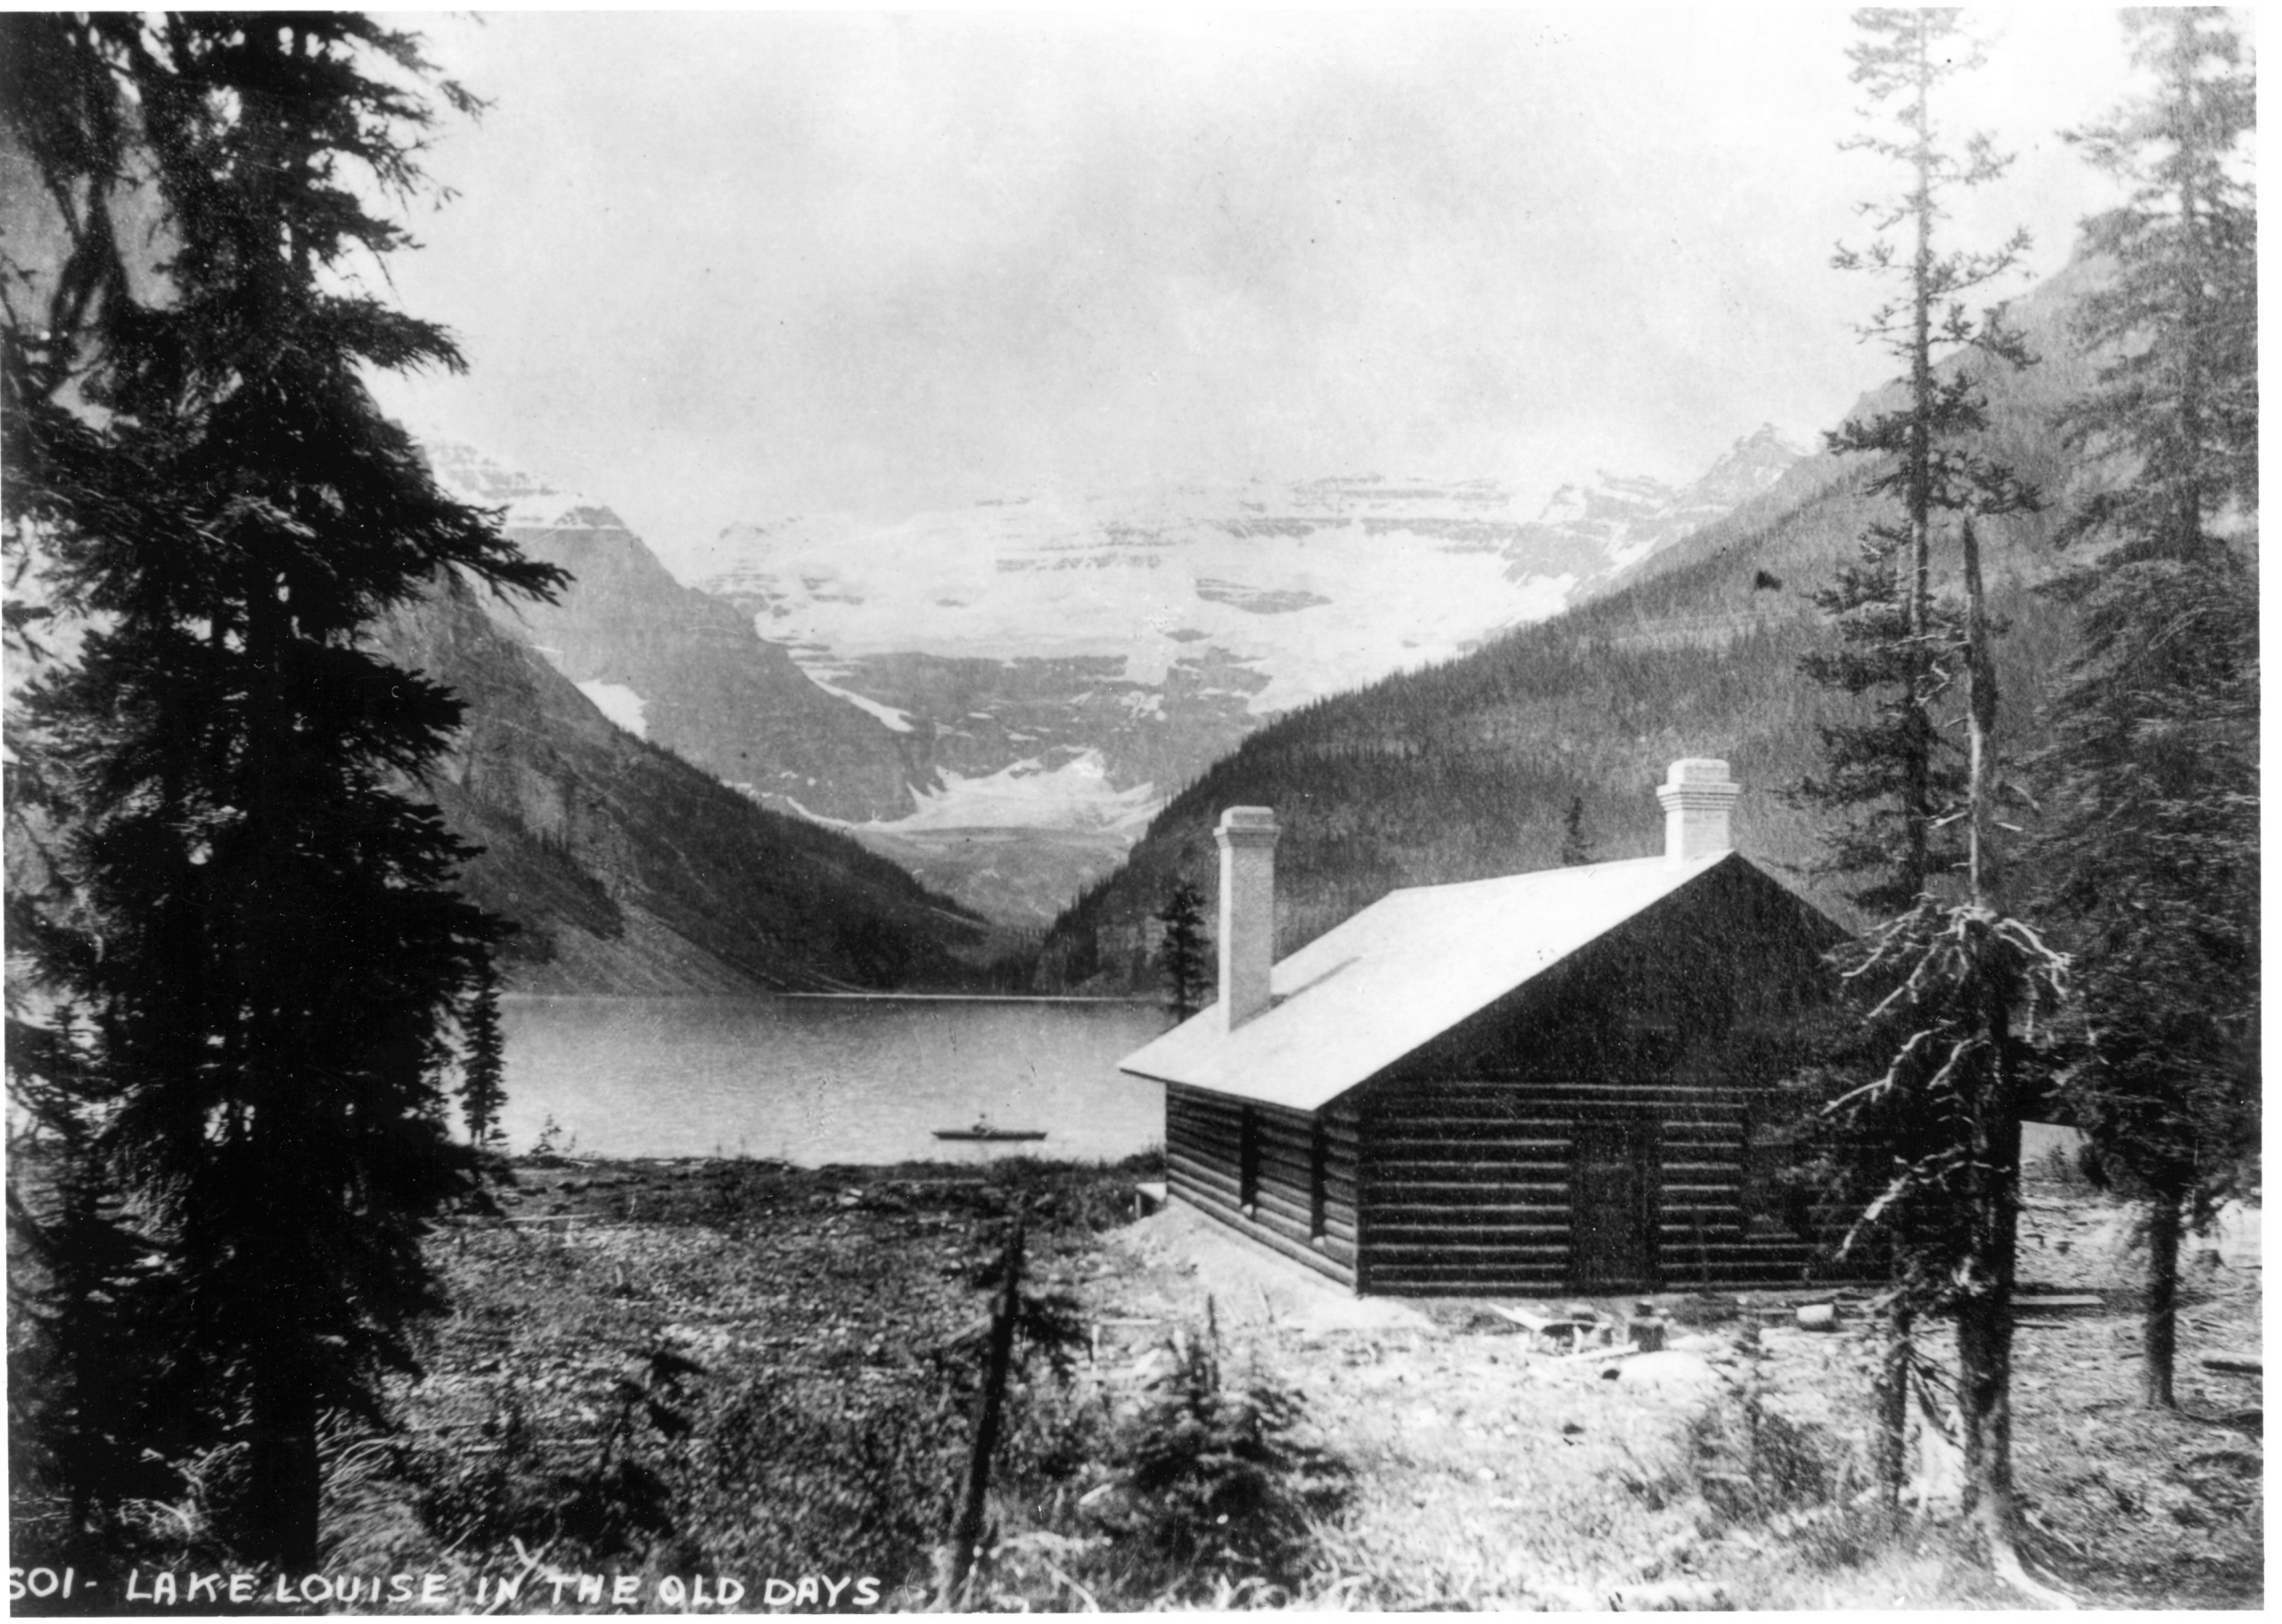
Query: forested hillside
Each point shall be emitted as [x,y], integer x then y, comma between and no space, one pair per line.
[1467,769]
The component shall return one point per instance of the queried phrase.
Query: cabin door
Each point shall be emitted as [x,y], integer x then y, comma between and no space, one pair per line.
[1613,1211]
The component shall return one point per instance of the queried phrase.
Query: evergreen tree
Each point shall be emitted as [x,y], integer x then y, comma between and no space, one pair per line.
[483,1088]
[77,1423]
[2151,847]
[1181,956]
[1576,846]
[253,919]
[1891,777]
[1929,1144]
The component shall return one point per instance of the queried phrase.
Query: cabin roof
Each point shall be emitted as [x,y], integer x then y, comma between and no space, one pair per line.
[1401,972]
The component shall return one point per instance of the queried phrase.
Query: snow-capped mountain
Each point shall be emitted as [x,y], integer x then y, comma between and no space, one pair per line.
[1000,697]
[674,666]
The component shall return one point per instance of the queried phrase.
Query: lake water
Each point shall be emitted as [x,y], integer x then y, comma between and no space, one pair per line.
[813,1080]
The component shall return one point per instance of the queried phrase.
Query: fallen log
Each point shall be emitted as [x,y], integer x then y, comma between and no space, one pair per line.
[2240,1364]
[2055,1305]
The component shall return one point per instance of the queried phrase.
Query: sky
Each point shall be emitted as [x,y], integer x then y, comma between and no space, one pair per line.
[720,267]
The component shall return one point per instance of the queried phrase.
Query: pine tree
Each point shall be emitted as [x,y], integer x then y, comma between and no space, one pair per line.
[1929,1144]
[253,918]
[1181,952]
[1576,846]
[2151,847]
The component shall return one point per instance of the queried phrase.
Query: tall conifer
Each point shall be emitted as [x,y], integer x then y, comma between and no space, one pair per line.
[2151,846]
[254,921]
[1929,1141]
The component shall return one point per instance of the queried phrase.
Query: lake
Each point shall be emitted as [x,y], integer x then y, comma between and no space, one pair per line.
[813,1080]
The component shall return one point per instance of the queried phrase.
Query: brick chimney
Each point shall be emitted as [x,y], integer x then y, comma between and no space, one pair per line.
[1247,837]
[1698,796]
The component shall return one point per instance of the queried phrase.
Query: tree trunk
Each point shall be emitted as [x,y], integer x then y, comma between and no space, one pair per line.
[1918,488]
[1985,1329]
[285,1483]
[2159,1334]
[956,1563]
[1892,1399]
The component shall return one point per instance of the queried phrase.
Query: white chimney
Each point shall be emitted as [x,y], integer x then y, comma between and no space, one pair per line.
[1247,837]
[1698,796]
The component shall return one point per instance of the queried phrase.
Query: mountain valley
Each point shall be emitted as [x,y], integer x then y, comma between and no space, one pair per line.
[1000,698]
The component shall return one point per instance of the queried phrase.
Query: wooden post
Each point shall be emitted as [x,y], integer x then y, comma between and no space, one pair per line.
[954,1565]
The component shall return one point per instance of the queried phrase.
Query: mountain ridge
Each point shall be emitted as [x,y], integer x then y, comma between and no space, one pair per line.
[999,697]
[1467,770]
[628,869]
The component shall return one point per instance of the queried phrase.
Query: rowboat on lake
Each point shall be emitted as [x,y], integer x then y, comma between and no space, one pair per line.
[982,1131]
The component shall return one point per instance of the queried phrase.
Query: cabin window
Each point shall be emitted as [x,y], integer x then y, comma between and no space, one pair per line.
[1248,1161]
[1319,1176]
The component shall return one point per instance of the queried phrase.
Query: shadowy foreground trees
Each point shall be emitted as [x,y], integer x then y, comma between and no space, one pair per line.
[243,954]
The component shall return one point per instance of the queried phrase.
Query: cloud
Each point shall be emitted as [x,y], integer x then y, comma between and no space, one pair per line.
[714,266]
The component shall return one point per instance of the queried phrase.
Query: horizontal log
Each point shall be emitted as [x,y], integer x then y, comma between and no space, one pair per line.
[1533,1097]
[1431,1140]
[1559,1219]
[1298,1234]
[1468,1283]
[1685,1263]
[1196,1172]
[1698,1212]
[1472,1198]
[1466,1169]
[1186,1133]
[1322,1258]
[1178,1132]
[1389,1221]
[1456,1242]
[1297,1166]
[1286,1205]
[1223,1188]
[1547,1152]
[1484,1082]
[1702,1144]
[1220,1110]
[1392,1254]
[1209,1152]
[1544,1124]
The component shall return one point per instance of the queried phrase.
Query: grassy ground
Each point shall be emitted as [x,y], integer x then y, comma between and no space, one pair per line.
[739,1373]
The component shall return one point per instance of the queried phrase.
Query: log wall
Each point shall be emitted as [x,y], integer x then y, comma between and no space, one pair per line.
[1290,1207]
[1466,1187]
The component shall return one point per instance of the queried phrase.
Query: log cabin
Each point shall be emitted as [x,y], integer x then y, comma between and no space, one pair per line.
[1558,1082]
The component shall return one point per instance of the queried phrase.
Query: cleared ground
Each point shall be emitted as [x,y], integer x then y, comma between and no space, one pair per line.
[1492,1468]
